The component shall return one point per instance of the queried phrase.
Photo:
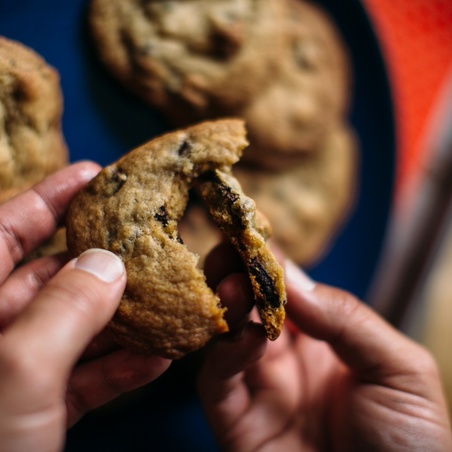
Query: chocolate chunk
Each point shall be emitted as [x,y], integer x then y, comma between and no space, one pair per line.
[265,282]
[162,216]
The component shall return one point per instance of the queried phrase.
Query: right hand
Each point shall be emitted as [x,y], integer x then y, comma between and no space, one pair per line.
[338,378]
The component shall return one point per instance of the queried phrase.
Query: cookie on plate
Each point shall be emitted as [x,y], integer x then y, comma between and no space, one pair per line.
[198,230]
[31,142]
[306,204]
[309,95]
[193,59]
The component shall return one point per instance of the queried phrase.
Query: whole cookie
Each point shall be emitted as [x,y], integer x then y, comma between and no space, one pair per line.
[307,203]
[190,58]
[309,94]
[31,142]
[132,208]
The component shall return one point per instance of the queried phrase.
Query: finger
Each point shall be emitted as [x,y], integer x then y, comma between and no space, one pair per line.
[223,391]
[24,283]
[31,217]
[48,337]
[97,382]
[236,294]
[361,338]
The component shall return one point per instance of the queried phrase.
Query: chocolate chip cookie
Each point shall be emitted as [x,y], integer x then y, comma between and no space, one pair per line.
[190,58]
[133,207]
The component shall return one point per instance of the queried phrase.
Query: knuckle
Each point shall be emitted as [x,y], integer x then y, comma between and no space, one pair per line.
[42,270]
[12,241]
[119,375]
[118,382]
[344,305]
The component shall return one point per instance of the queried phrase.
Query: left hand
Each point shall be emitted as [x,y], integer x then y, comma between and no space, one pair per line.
[51,369]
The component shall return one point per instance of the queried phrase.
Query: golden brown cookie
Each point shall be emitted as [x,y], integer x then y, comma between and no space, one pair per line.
[31,142]
[310,93]
[132,208]
[192,59]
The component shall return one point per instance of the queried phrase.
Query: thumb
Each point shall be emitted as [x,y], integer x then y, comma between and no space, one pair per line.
[363,340]
[51,333]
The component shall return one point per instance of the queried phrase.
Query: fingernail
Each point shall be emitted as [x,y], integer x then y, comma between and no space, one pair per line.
[101,263]
[296,276]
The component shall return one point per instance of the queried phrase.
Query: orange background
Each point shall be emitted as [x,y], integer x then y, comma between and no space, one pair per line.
[416,40]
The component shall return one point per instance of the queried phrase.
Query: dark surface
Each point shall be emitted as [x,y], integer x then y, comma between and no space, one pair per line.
[102,121]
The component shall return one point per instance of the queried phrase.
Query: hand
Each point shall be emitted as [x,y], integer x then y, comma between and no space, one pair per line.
[50,311]
[338,378]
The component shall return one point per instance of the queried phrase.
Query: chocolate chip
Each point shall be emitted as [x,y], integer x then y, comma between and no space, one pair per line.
[223,46]
[162,216]
[266,286]
[108,183]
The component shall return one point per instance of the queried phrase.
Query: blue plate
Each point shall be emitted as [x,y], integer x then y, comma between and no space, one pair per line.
[101,121]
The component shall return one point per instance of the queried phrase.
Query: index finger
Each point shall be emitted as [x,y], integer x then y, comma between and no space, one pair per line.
[33,216]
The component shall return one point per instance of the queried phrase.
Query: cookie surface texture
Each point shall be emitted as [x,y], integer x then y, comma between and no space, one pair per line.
[31,141]
[132,208]
[193,59]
